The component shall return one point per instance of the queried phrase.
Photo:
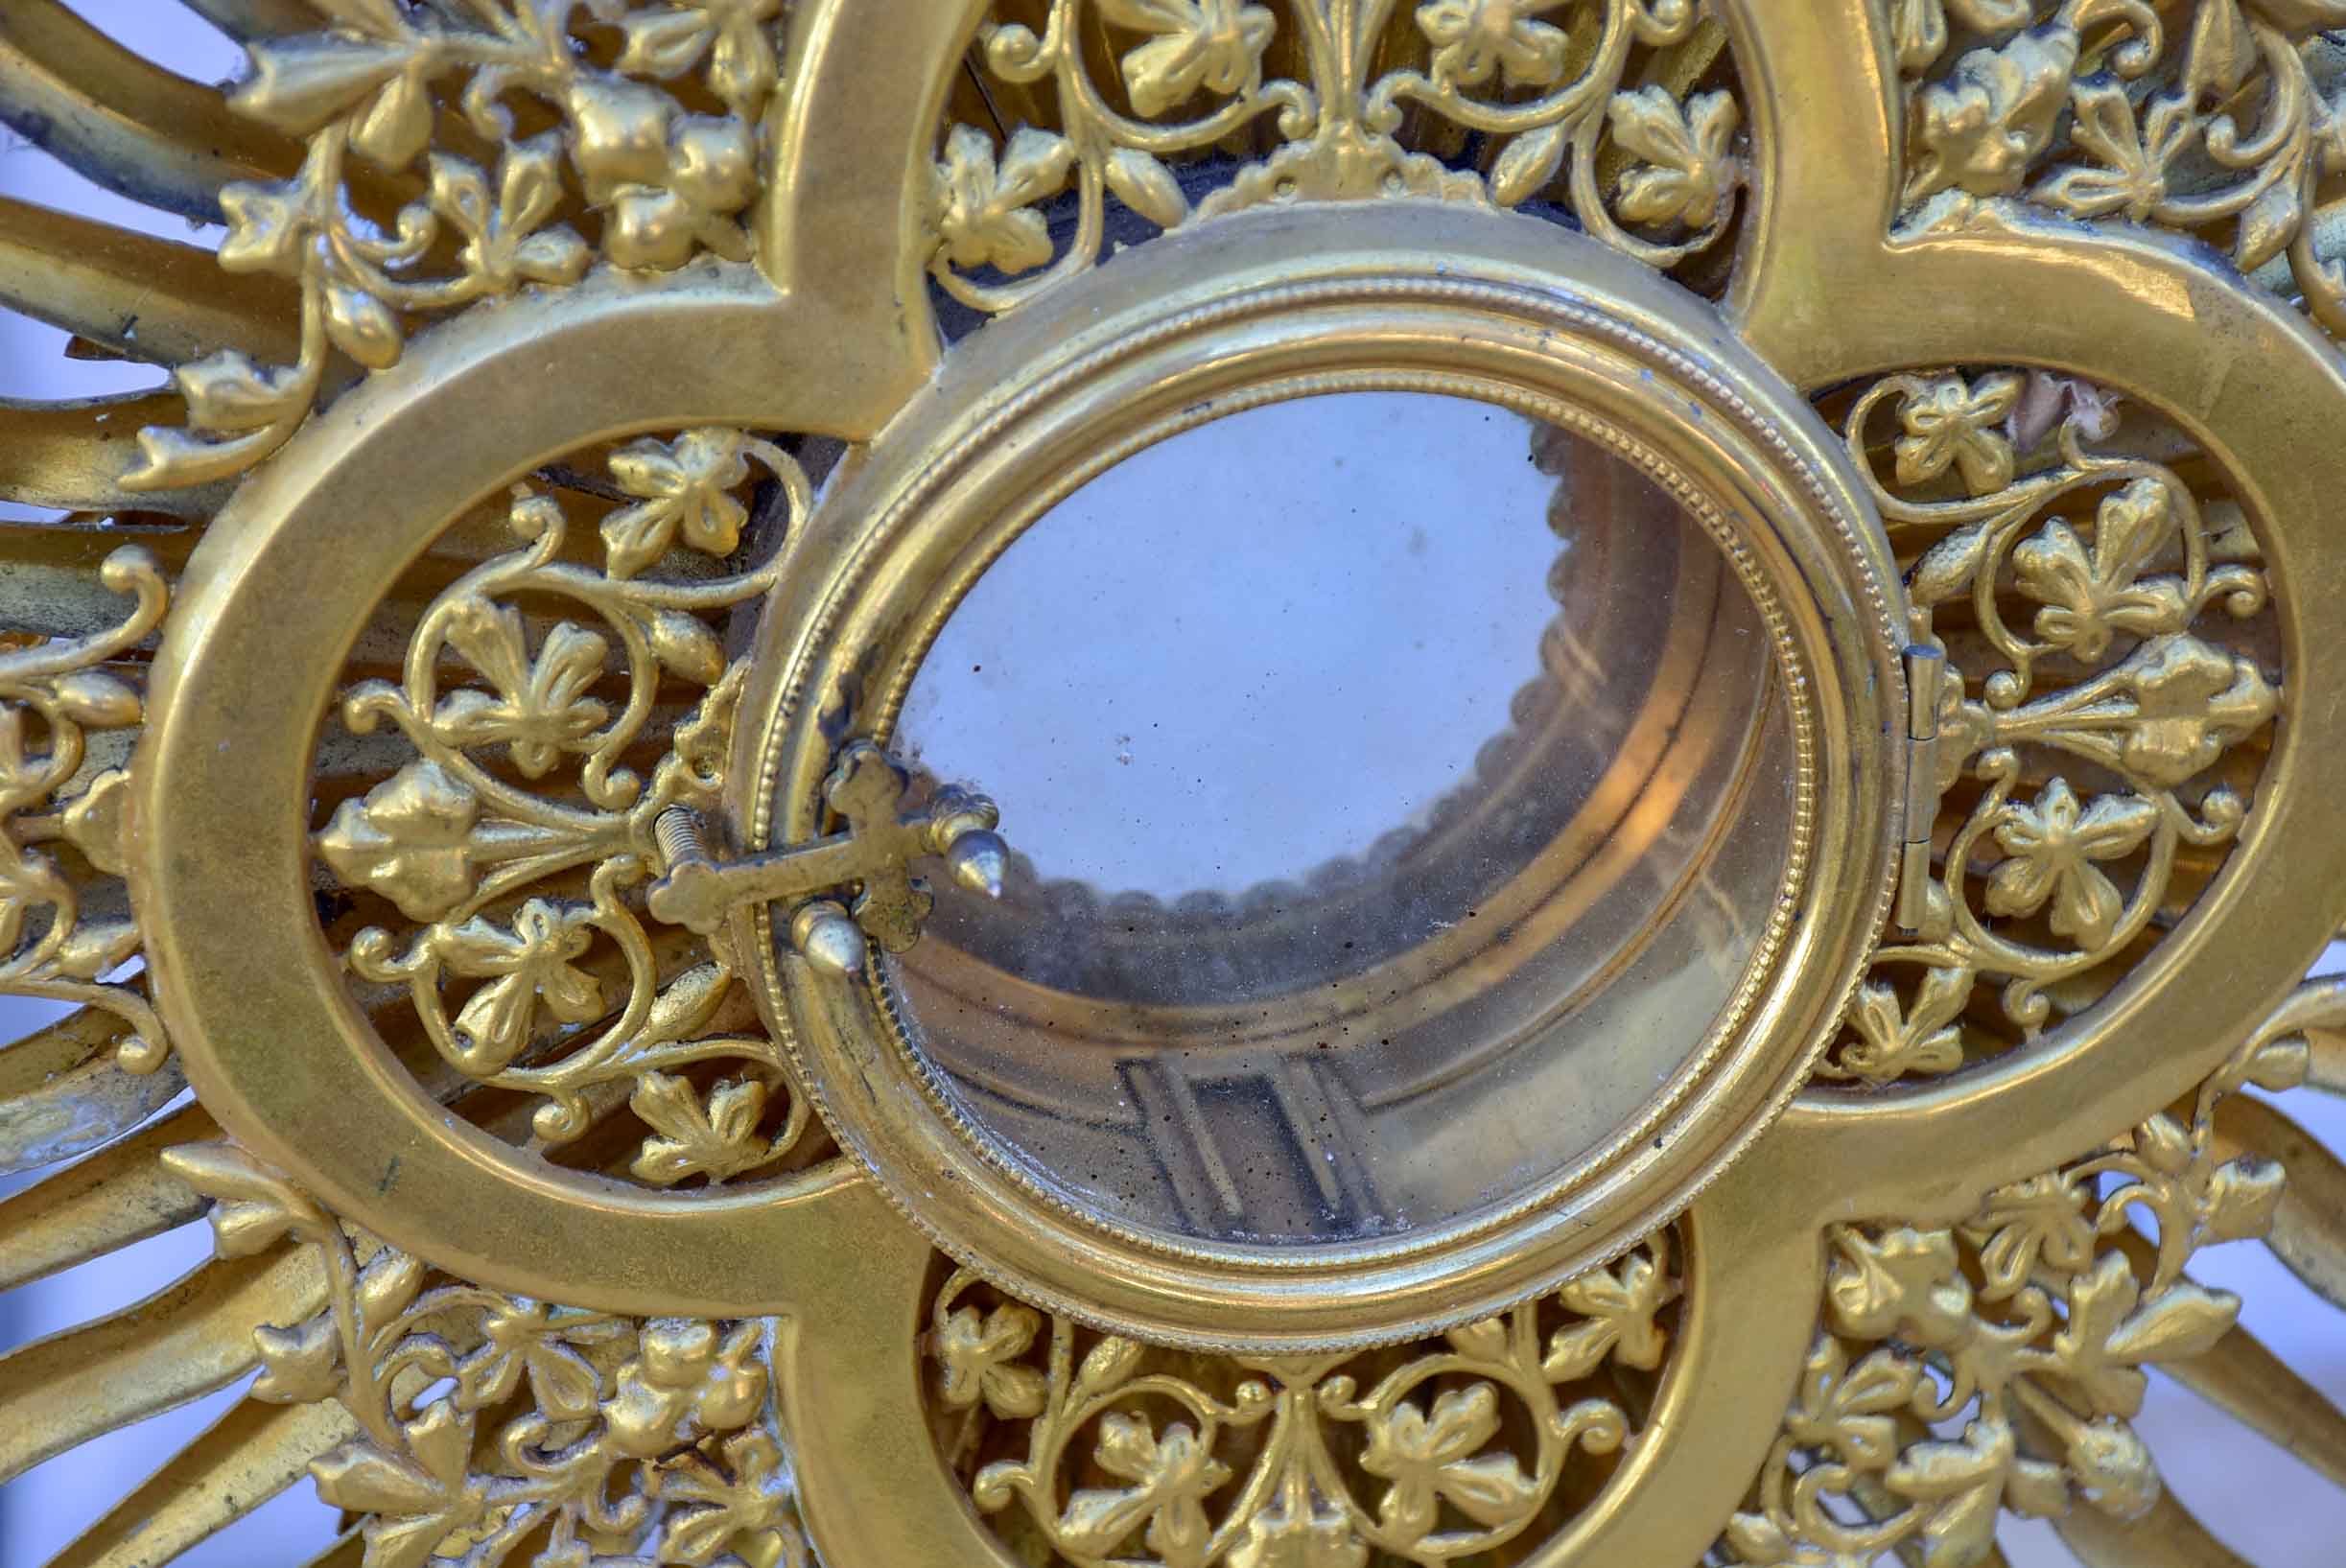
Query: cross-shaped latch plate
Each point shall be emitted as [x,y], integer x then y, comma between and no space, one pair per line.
[873,855]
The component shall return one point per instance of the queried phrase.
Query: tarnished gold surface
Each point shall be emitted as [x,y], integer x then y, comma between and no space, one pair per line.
[594,413]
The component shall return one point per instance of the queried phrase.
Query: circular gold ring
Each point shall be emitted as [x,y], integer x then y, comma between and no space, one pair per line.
[1261,309]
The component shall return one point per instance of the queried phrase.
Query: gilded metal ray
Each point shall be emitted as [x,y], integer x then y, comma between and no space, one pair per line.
[155,302]
[123,122]
[2257,1387]
[253,1452]
[104,1202]
[74,453]
[193,1336]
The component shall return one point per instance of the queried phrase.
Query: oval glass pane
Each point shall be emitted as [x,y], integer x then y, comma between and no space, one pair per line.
[1400,793]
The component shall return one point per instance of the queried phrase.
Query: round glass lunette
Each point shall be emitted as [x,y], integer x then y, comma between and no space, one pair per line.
[1400,789]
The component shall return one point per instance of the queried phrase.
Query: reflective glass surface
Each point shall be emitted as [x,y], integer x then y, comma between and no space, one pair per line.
[1400,791]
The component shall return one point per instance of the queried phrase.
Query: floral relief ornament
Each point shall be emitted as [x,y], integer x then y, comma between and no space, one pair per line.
[2024,1332]
[1193,72]
[517,723]
[481,1420]
[2094,661]
[2208,119]
[653,182]
[55,696]
[1440,1472]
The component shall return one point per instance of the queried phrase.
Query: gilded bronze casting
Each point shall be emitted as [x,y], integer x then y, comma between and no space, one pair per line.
[650,1108]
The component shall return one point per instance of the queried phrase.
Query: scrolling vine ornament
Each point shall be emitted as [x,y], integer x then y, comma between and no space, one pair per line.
[516,783]
[656,156]
[479,1425]
[1545,81]
[2117,559]
[2103,686]
[2032,1323]
[1424,1438]
[2221,121]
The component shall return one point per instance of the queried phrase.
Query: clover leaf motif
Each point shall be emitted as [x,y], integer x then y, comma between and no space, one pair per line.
[531,964]
[1617,1304]
[417,1498]
[731,34]
[1688,171]
[506,242]
[1893,1040]
[748,1497]
[717,1140]
[1171,1477]
[522,1337]
[1474,39]
[1952,422]
[672,181]
[2039,1222]
[2089,597]
[2054,845]
[980,1357]
[684,488]
[1213,44]
[984,211]
[540,708]
[685,1380]
[1972,1478]
[1429,1456]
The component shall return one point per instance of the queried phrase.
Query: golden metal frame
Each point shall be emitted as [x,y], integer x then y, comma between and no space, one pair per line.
[772,191]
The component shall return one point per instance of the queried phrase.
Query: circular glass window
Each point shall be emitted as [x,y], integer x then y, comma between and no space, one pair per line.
[1402,790]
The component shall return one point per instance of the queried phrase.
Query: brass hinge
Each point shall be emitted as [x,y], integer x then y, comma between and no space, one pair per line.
[874,855]
[1925,673]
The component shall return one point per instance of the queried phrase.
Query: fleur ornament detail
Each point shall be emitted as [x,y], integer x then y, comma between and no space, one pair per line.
[1455,1448]
[1474,38]
[1171,1475]
[2054,845]
[1215,45]
[985,211]
[408,839]
[1544,106]
[1980,128]
[1954,423]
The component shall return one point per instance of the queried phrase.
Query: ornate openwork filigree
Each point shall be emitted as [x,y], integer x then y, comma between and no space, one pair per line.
[1426,1454]
[486,1425]
[2220,119]
[1585,107]
[658,113]
[2030,1324]
[66,933]
[2108,638]
[519,724]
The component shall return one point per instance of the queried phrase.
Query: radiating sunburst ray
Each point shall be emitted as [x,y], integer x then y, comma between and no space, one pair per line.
[188,1338]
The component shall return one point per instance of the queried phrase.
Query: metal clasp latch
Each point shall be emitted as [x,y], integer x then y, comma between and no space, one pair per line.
[1926,671]
[874,855]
